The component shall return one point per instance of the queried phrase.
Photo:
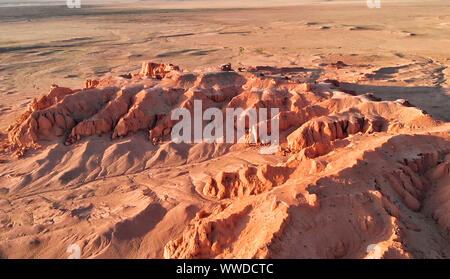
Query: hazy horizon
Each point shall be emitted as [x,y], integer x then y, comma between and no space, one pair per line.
[164,3]
[14,3]
[185,3]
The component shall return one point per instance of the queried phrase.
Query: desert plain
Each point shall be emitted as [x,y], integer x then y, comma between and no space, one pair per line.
[363,166]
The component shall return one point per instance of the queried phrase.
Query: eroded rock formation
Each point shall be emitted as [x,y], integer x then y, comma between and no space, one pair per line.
[351,170]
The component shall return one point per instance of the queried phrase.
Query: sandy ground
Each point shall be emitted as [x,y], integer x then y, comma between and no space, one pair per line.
[60,195]
[405,44]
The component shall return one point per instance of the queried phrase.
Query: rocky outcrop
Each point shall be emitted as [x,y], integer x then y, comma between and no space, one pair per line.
[157,70]
[245,182]
[438,204]
[329,128]
[52,117]
[105,120]
[91,83]
[240,231]
[409,181]
[122,106]
[208,237]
